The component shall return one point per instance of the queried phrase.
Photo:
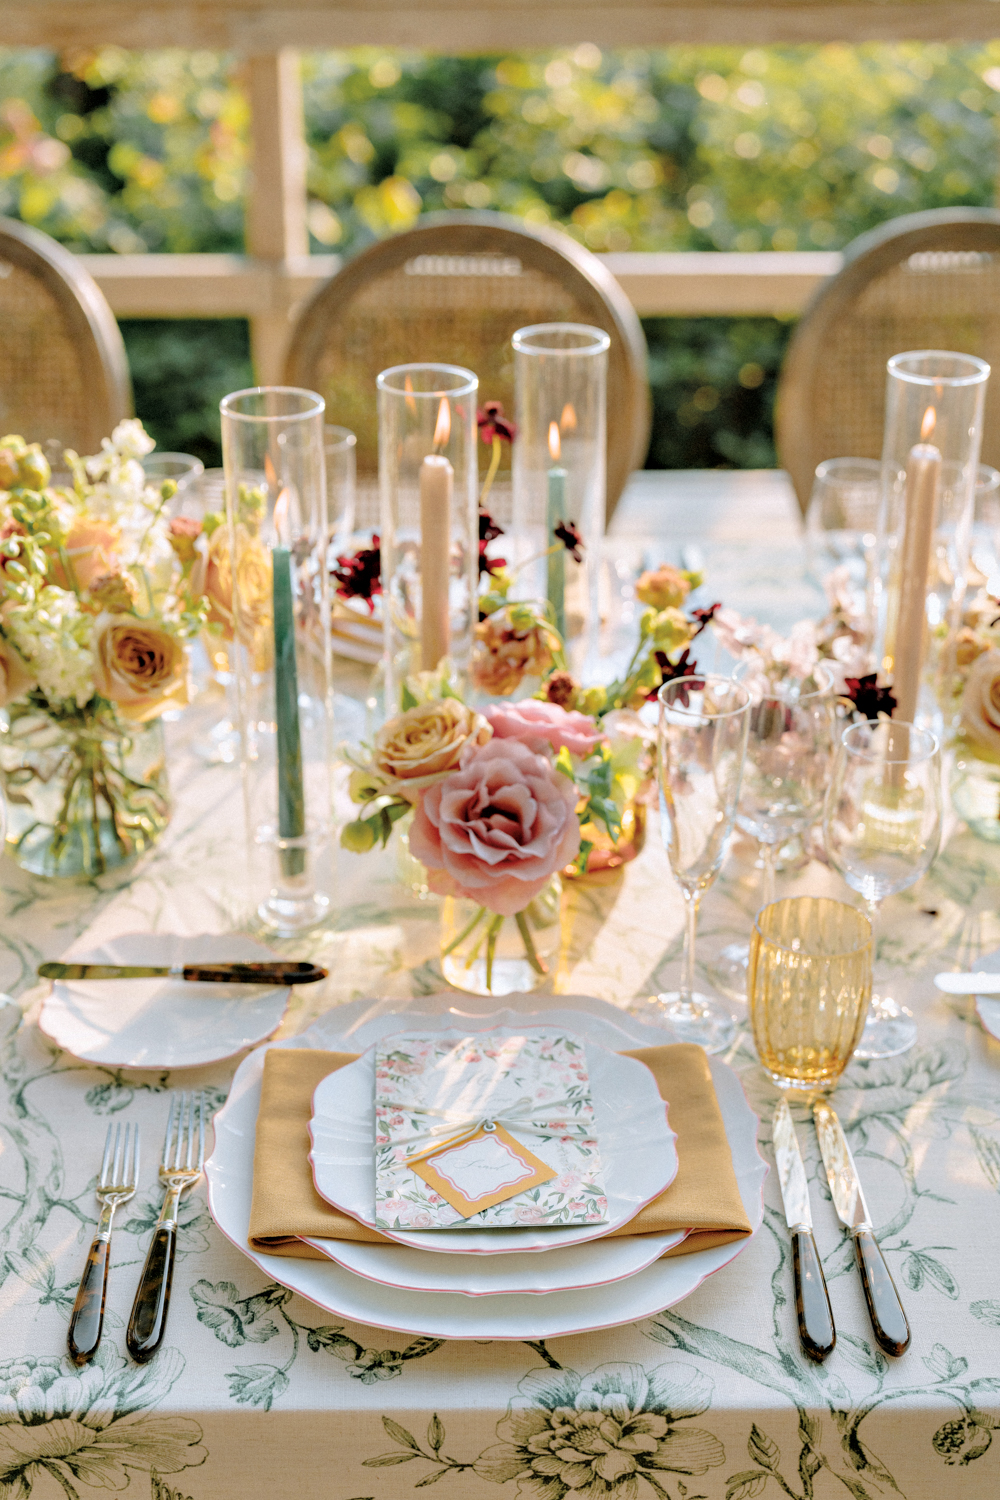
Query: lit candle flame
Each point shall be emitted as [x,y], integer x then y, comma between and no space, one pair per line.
[442,429]
[270,473]
[282,515]
[928,424]
[567,422]
[555,446]
[409,397]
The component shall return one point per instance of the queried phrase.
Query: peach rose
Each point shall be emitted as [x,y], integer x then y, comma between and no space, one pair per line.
[664,588]
[496,831]
[139,667]
[16,676]
[212,579]
[535,724]
[981,703]
[428,740]
[511,644]
[91,548]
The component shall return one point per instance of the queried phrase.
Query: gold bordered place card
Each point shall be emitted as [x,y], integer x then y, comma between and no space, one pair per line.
[494,1130]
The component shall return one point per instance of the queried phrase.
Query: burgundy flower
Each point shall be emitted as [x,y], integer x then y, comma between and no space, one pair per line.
[488,532]
[704,617]
[868,698]
[360,576]
[672,670]
[568,533]
[493,423]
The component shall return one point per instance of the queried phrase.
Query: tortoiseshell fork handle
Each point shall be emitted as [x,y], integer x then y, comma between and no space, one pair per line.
[87,1320]
[148,1322]
[263,973]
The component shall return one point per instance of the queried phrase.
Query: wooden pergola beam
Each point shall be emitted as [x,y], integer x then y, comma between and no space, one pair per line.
[259,26]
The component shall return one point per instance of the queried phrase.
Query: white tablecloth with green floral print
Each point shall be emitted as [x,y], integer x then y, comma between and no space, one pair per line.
[258,1393]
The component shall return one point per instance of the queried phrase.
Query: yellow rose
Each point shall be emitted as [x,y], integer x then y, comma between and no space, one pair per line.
[16,676]
[426,742]
[664,588]
[981,703]
[139,667]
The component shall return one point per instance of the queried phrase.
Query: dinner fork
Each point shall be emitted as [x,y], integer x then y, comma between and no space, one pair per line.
[116,1184]
[180,1168]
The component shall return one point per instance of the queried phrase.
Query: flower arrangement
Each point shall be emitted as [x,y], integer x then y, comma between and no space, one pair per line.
[95,611]
[968,683]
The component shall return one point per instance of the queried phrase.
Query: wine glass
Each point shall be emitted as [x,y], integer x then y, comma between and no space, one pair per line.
[701,745]
[784,780]
[882,828]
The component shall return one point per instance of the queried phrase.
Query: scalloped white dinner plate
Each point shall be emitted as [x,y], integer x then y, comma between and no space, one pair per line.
[162,1023]
[637,1147]
[451,1315]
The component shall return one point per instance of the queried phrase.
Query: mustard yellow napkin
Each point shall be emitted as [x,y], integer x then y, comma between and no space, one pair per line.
[702,1198]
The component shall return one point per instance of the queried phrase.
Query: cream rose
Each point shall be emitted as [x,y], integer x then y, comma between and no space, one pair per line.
[981,703]
[427,742]
[16,676]
[139,667]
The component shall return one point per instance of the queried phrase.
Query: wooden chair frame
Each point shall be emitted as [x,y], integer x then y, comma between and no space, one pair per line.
[865,260]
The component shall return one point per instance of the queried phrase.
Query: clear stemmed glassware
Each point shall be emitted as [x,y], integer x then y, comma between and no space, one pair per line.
[701,746]
[882,828]
[785,776]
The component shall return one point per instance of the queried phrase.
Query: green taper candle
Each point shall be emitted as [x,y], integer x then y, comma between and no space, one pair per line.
[555,511]
[291,798]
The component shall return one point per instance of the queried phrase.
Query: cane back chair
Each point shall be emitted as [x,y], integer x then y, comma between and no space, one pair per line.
[922,281]
[63,373]
[453,290]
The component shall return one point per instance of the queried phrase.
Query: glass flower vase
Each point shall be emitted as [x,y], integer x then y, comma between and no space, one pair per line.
[86,794]
[487,954]
[975,794]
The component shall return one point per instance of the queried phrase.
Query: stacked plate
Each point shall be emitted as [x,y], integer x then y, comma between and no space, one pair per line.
[499,1283]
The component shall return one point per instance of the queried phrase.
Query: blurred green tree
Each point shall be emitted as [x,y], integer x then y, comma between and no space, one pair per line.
[684,148]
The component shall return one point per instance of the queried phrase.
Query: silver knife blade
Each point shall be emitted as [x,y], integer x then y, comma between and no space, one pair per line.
[841,1173]
[791,1171]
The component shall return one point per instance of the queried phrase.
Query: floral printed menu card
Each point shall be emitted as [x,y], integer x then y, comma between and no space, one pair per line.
[499,1127]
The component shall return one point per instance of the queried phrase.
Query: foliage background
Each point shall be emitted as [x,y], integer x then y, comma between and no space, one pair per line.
[669,149]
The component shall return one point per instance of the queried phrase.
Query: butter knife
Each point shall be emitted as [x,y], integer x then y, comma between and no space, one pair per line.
[268,973]
[812,1300]
[892,1331]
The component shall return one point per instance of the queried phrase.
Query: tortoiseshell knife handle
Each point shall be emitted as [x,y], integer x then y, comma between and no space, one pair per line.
[87,1320]
[812,1300]
[148,1321]
[266,973]
[892,1331]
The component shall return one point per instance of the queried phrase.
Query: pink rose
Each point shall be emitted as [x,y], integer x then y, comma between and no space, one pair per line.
[535,723]
[496,831]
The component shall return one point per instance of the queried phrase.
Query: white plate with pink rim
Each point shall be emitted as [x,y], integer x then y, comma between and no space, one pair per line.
[637,1148]
[162,1023]
[451,1315]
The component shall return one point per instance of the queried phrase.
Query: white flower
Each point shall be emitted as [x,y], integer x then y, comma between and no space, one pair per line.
[54,636]
[799,653]
[130,439]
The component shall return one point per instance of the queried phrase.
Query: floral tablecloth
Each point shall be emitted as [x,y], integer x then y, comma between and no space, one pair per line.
[257,1392]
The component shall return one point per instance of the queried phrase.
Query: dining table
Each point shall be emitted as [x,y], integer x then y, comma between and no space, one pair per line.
[256,1391]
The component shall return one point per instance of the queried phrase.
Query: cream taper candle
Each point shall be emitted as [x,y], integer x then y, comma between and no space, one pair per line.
[923,481]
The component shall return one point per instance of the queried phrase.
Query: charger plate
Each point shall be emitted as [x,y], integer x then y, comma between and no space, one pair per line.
[638,1152]
[450,1315]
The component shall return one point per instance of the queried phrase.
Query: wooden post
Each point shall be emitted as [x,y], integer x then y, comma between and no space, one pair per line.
[276,204]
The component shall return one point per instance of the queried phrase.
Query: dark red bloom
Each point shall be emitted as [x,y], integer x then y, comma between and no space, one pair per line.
[489,564]
[868,698]
[360,576]
[568,533]
[493,423]
[704,617]
[671,670]
[488,528]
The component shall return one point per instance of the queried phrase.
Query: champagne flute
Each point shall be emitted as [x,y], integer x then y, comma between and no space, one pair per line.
[701,745]
[784,780]
[882,829]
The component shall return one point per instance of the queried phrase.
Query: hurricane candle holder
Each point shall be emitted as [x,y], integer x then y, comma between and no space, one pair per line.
[559,474]
[930,453]
[429,518]
[276,558]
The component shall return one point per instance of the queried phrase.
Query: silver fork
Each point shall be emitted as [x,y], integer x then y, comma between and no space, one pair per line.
[116,1184]
[180,1168]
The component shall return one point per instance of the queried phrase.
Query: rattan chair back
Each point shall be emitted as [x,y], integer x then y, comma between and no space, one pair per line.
[63,371]
[922,281]
[453,290]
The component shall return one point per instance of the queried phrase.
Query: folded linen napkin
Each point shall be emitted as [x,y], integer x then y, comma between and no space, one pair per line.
[703,1198]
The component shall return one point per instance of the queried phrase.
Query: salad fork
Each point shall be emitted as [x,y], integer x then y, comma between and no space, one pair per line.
[180,1168]
[116,1184]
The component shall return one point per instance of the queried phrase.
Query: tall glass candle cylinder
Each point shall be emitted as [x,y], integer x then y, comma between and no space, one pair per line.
[429,519]
[273,565]
[933,429]
[559,474]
